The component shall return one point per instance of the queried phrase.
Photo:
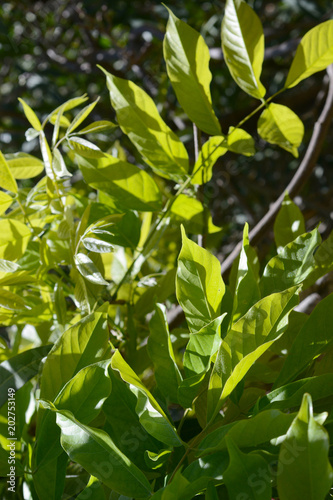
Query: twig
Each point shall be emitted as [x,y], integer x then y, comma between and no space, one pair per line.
[301,176]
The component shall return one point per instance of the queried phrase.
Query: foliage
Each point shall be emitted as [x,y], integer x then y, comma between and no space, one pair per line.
[95,253]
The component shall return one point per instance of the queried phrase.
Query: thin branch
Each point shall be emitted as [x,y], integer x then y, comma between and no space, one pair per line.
[302,174]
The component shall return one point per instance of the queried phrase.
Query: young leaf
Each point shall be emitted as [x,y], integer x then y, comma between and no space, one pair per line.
[85,148]
[59,165]
[304,470]
[97,245]
[243,477]
[313,54]
[289,223]
[30,115]
[243,46]
[161,353]
[292,265]
[139,118]
[81,116]
[247,340]
[199,285]
[187,60]
[279,125]
[314,338]
[96,127]
[88,269]
[7,180]
[10,300]
[24,166]
[129,186]
[5,202]
[96,452]
[14,239]
[64,122]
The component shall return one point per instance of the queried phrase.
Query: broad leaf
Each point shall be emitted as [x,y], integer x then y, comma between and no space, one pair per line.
[16,371]
[292,265]
[11,300]
[88,269]
[289,223]
[304,470]
[313,54]
[129,186]
[160,351]
[97,245]
[199,285]
[94,489]
[14,239]
[7,180]
[24,166]
[314,338]
[139,118]
[192,214]
[247,340]
[187,60]
[242,477]
[243,46]
[279,125]
[5,202]
[49,480]
[96,452]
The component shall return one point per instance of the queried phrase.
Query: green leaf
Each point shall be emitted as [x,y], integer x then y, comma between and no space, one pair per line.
[323,261]
[160,351]
[7,180]
[63,121]
[157,460]
[210,152]
[7,266]
[151,415]
[187,60]
[314,338]
[82,344]
[211,493]
[241,142]
[11,300]
[81,116]
[199,285]
[5,202]
[49,480]
[94,489]
[314,53]
[16,371]
[243,477]
[289,223]
[129,186]
[24,166]
[85,148]
[247,291]
[30,115]
[94,450]
[139,118]
[247,340]
[248,433]
[304,470]
[279,125]
[243,46]
[191,212]
[88,269]
[96,127]
[59,165]
[97,245]
[14,239]
[292,265]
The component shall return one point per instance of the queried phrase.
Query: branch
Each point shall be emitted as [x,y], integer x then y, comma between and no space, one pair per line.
[321,127]
[302,174]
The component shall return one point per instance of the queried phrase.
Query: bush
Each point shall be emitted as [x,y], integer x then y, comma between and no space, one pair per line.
[99,399]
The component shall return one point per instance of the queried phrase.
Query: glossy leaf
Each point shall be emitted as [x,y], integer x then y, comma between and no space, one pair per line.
[94,489]
[97,245]
[59,165]
[289,223]
[314,338]
[210,152]
[7,180]
[30,115]
[279,125]
[139,118]
[88,269]
[160,351]
[314,53]
[187,60]
[16,371]
[130,187]
[24,166]
[243,46]
[14,239]
[97,127]
[85,148]
[243,475]
[81,116]
[304,470]
[247,340]
[199,285]
[5,202]
[292,265]
[95,451]
[191,213]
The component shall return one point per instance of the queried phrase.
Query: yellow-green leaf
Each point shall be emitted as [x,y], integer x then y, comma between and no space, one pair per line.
[5,202]
[314,53]
[24,166]
[279,125]
[187,60]
[31,116]
[14,238]
[243,46]
[7,180]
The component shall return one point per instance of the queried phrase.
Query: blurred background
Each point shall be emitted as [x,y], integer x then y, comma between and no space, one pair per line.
[49,51]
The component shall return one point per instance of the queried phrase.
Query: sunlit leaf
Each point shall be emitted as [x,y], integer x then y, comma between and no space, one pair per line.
[7,180]
[289,223]
[88,269]
[14,239]
[30,115]
[24,166]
